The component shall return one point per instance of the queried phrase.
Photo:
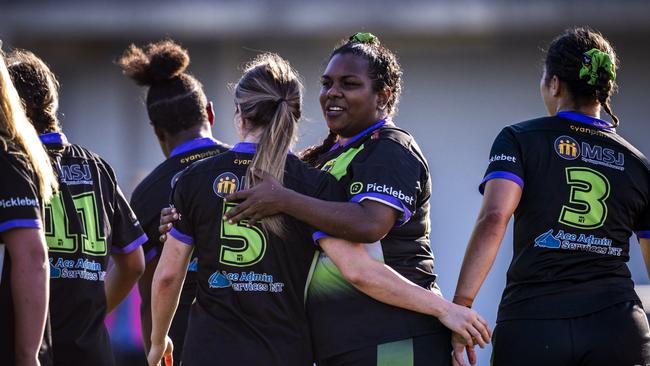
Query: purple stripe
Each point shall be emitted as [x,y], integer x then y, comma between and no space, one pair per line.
[501,174]
[388,200]
[583,118]
[248,148]
[318,235]
[185,239]
[645,234]
[150,254]
[360,134]
[131,246]
[193,144]
[54,138]
[20,223]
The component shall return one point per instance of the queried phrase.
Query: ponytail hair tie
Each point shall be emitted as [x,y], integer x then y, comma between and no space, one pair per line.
[365,38]
[594,60]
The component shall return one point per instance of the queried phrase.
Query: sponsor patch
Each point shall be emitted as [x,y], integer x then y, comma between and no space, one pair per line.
[567,147]
[356,188]
[225,184]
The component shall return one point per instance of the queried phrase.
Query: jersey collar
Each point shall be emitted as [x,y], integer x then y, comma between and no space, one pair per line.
[193,144]
[248,148]
[54,138]
[583,118]
[360,134]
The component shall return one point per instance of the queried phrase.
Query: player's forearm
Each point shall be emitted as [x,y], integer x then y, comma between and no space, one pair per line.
[346,220]
[384,284]
[122,277]
[480,254]
[30,289]
[163,306]
[644,244]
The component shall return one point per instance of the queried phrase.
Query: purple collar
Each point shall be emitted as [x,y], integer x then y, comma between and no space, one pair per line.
[360,134]
[193,144]
[54,138]
[583,118]
[247,148]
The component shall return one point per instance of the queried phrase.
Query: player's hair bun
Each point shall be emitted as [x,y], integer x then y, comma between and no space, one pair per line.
[158,62]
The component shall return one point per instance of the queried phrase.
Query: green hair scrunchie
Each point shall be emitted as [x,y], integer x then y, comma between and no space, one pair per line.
[594,60]
[364,37]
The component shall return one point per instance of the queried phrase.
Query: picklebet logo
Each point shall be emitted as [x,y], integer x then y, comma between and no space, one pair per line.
[225,184]
[356,187]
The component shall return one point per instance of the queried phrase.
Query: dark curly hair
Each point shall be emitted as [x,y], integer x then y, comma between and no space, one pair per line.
[383,69]
[175,100]
[564,59]
[37,87]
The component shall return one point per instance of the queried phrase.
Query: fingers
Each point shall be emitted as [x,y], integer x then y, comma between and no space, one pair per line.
[238,213]
[471,355]
[476,336]
[162,238]
[168,215]
[457,354]
[487,326]
[483,329]
[237,196]
[467,338]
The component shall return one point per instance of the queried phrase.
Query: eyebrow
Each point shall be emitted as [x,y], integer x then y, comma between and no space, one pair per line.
[342,77]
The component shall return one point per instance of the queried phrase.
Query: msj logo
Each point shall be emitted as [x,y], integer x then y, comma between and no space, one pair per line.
[567,147]
[225,184]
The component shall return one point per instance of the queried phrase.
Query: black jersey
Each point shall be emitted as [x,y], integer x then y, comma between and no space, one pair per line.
[383,164]
[84,224]
[585,190]
[20,207]
[251,284]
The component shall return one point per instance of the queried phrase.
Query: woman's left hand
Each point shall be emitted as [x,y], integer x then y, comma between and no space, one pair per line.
[265,199]
[157,351]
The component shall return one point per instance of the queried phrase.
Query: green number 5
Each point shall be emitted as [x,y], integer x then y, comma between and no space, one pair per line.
[57,229]
[252,242]
[589,190]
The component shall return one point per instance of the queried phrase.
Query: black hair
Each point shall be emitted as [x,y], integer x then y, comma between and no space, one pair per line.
[175,100]
[383,69]
[37,87]
[565,58]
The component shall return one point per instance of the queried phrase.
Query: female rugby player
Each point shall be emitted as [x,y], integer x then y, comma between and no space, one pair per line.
[578,190]
[88,221]
[387,183]
[27,182]
[251,281]
[181,117]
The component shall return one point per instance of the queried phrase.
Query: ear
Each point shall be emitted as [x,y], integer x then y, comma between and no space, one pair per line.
[555,86]
[383,97]
[210,110]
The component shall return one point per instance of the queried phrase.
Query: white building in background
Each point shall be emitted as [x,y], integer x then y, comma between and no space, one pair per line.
[470,67]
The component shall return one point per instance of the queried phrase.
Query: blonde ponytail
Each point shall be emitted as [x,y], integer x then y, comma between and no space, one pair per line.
[269,95]
[15,127]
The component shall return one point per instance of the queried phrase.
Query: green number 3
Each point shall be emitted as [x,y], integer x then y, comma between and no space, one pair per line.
[589,190]
[252,240]
[57,230]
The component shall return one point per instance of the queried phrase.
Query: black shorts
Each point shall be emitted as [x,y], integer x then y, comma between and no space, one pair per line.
[617,335]
[429,350]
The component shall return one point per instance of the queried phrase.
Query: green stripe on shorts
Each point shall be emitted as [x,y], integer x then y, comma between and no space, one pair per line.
[398,353]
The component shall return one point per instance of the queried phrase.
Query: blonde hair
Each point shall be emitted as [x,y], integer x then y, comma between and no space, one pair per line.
[269,96]
[15,127]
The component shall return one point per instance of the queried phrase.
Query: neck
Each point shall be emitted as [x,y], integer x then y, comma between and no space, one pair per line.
[592,110]
[172,141]
[252,136]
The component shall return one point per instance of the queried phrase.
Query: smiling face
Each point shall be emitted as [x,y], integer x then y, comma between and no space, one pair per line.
[347,98]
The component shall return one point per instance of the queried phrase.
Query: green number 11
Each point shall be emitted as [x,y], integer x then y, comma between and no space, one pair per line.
[57,228]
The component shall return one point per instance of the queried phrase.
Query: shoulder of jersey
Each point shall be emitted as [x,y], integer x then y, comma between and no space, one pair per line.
[537,124]
[162,173]
[402,138]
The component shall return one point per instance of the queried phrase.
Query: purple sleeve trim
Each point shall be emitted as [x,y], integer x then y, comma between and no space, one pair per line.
[318,235]
[131,246]
[20,223]
[183,238]
[501,174]
[388,201]
[150,255]
[645,234]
